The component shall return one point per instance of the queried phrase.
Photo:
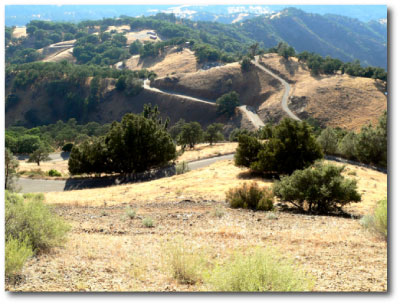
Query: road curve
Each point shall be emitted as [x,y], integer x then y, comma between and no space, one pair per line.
[253,117]
[285,85]
[28,185]
[146,86]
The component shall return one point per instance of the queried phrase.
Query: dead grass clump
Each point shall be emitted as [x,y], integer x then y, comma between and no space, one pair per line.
[183,263]
[261,270]
[251,197]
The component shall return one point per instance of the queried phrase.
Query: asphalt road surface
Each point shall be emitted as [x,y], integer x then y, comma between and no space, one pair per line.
[285,84]
[28,185]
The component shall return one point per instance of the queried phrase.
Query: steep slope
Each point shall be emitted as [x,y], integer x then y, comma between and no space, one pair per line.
[333,100]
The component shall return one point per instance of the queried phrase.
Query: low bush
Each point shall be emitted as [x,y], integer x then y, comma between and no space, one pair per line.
[251,197]
[130,213]
[318,189]
[182,168]
[54,172]
[148,222]
[260,270]
[378,221]
[33,220]
[16,253]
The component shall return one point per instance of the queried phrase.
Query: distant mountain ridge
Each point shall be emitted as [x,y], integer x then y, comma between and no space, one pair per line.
[337,36]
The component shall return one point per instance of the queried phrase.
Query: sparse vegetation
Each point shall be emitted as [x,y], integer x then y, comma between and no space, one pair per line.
[251,197]
[318,189]
[183,262]
[17,251]
[377,222]
[33,220]
[30,227]
[258,271]
[130,213]
[53,172]
[148,222]
[182,168]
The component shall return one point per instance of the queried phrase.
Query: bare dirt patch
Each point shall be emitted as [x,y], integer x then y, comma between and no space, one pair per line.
[108,251]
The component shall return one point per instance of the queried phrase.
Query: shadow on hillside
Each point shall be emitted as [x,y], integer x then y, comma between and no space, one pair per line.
[101,182]
[290,66]
[252,175]
[340,213]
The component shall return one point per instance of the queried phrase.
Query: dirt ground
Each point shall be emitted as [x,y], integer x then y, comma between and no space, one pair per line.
[19,32]
[107,251]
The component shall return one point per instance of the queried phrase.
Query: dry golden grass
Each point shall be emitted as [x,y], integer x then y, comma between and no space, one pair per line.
[108,251]
[60,56]
[205,151]
[59,165]
[336,100]
[19,32]
[171,63]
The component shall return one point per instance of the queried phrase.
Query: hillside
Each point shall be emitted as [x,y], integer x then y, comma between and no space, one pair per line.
[333,100]
[107,251]
[337,36]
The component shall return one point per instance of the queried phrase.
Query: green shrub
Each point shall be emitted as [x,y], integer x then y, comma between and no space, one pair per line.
[328,141]
[32,219]
[183,263]
[247,150]
[378,221]
[148,222]
[130,213]
[182,168]
[54,172]
[16,253]
[318,189]
[260,270]
[251,197]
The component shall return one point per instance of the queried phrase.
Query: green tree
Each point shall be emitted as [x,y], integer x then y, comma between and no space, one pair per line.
[10,166]
[318,189]
[245,64]
[191,134]
[28,143]
[136,47]
[39,155]
[347,146]
[328,141]
[234,135]
[213,133]
[292,146]
[176,129]
[247,150]
[227,103]
[138,144]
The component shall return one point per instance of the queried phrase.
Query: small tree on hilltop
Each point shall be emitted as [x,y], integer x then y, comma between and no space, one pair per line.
[39,155]
[227,103]
[245,64]
[191,134]
[213,133]
[318,189]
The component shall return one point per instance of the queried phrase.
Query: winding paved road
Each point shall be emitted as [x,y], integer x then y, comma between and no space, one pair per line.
[285,84]
[28,185]
[253,117]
